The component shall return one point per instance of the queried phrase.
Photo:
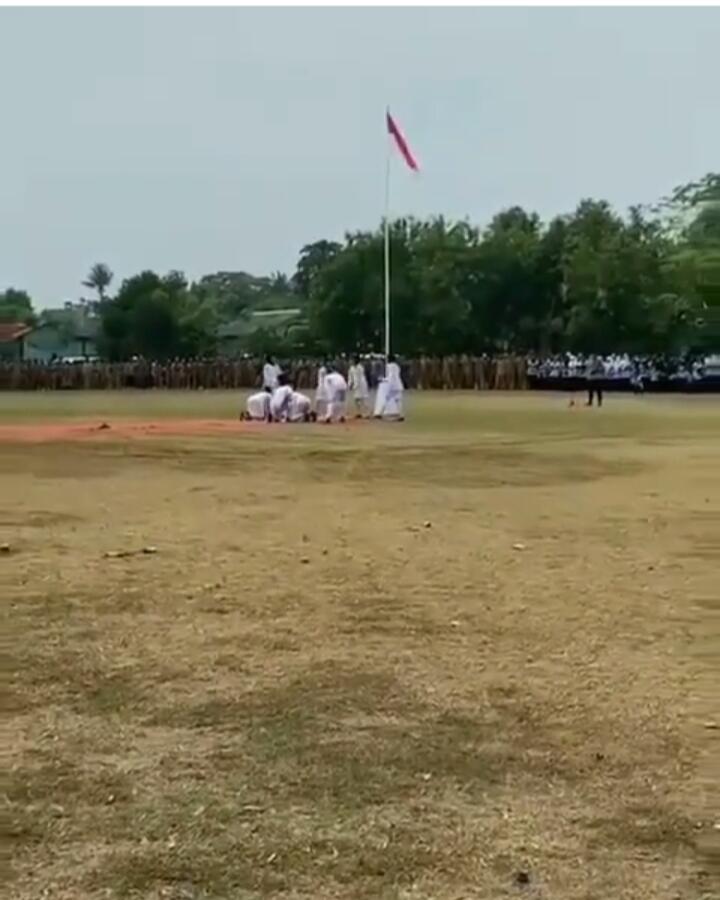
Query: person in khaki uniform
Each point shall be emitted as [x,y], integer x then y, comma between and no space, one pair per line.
[480,381]
[501,378]
[446,373]
[468,373]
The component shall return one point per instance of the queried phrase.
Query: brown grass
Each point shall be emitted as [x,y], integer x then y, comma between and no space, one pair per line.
[338,677]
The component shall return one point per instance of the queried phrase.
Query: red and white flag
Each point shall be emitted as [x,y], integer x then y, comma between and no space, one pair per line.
[401,143]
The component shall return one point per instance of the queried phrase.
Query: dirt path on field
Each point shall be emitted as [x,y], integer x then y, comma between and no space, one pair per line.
[39,433]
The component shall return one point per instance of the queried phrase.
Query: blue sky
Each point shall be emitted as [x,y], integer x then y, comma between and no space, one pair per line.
[207,139]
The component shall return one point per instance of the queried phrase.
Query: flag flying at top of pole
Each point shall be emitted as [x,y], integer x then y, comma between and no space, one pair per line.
[400,142]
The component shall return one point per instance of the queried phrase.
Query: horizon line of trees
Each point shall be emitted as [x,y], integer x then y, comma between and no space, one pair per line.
[591,281]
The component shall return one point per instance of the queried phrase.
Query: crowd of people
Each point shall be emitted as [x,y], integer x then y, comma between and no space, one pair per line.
[281,401]
[504,372]
[618,372]
[484,372]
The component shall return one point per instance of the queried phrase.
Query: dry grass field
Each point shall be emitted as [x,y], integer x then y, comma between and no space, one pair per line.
[462,658]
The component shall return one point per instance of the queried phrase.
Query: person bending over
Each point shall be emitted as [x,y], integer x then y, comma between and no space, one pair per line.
[300,409]
[257,407]
[280,401]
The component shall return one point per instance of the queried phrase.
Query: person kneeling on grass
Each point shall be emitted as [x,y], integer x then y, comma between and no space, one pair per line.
[336,388]
[257,407]
[300,409]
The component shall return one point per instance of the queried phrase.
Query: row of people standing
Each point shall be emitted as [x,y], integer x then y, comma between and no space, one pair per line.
[424,373]
[618,368]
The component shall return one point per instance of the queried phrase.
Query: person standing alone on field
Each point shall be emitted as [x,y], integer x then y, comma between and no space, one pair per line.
[270,374]
[595,373]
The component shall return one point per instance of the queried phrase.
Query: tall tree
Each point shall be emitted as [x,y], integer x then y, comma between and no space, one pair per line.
[313,258]
[157,318]
[692,217]
[613,274]
[593,280]
[16,306]
[99,279]
[280,283]
[506,307]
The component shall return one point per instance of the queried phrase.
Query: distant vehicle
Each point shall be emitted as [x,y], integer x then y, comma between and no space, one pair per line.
[77,360]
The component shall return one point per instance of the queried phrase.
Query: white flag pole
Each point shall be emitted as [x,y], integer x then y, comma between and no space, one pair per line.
[387,238]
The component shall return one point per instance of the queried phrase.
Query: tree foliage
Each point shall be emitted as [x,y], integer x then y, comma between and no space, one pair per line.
[16,306]
[592,281]
[313,259]
[692,219]
[236,294]
[99,279]
[589,281]
[157,317]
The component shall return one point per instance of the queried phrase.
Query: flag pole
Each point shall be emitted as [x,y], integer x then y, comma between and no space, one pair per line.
[387,239]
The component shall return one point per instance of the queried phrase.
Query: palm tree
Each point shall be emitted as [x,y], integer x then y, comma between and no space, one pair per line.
[280,283]
[99,279]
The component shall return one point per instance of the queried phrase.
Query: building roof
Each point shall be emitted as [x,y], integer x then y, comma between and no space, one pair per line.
[266,318]
[74,322]
[13,331]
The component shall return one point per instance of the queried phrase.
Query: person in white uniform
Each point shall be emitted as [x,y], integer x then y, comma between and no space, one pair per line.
[300,409]
[321,396]
[257,407]
[270,374]
[336,388]
[357,383]
[389,397]
[280,402]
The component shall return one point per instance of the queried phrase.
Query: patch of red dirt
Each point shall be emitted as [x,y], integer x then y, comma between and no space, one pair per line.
[48,432]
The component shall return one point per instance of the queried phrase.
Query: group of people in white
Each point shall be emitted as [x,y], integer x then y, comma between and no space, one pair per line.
[617,367]
[278,401]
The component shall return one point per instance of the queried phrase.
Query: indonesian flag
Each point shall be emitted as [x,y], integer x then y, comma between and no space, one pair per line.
[401,143]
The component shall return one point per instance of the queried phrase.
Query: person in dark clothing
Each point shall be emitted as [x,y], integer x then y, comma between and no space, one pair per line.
[595,372]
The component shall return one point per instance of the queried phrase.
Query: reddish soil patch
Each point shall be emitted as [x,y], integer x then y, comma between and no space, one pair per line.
[122,430]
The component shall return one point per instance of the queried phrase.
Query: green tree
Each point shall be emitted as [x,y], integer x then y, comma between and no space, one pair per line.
[592,281]
[346,294]
[280,283]
[692,219]
[429,310]
[236,294]
[614,279]
[313,259]
[551,270]
[157,318]
[16,306]
[436,309]
[506,304]
[99,279]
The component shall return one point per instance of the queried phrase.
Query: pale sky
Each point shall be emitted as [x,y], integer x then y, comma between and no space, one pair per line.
[208,139]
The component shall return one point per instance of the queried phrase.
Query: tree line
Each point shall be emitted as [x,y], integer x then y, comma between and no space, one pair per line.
[590,281]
